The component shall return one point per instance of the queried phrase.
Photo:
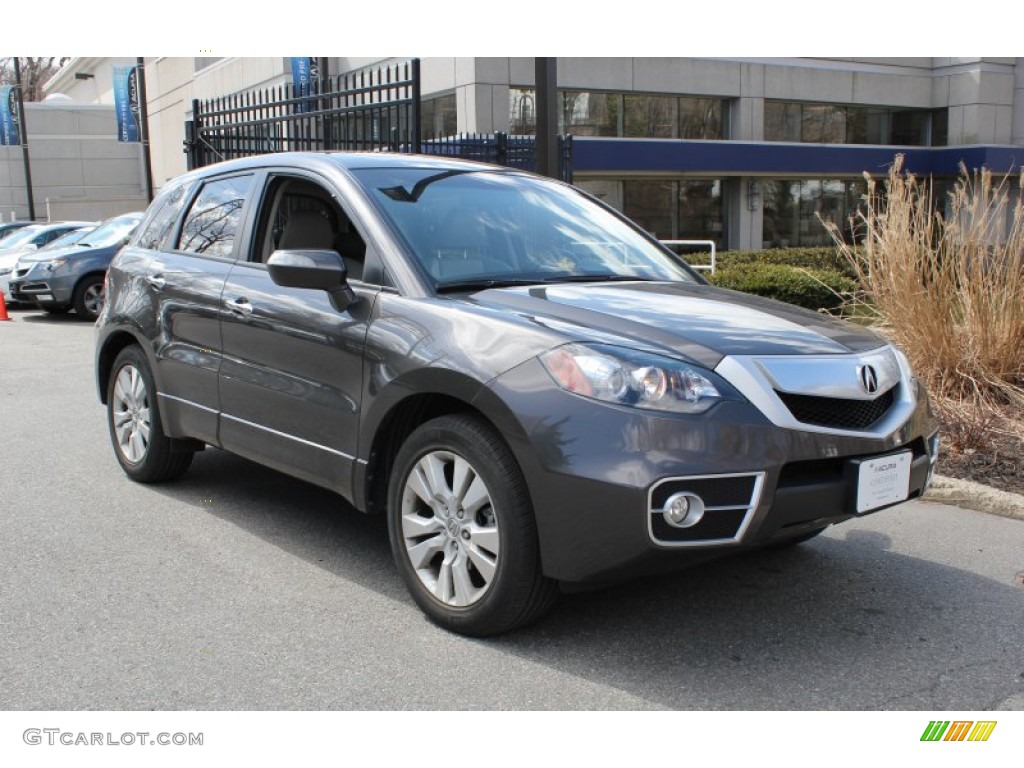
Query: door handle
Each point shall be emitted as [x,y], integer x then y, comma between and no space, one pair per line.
[157,281]
[240,306]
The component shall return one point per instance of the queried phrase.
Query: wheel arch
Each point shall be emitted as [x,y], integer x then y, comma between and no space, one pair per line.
[391,423]
[109,349]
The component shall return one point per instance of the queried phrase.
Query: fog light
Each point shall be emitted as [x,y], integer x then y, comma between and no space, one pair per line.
[683,510]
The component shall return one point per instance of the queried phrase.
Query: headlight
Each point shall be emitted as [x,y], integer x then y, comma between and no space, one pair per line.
[640,379]
[54,265]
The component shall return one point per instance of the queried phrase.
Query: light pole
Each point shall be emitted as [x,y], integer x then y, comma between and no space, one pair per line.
[23,137]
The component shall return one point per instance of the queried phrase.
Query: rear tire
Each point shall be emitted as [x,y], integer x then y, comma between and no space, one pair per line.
[462,529]
[142,449]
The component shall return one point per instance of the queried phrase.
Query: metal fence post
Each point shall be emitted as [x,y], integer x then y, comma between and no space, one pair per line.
[195,157]
[416,104]
[501,148]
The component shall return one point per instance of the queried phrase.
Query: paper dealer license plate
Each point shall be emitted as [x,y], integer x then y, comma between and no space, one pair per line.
[882,481]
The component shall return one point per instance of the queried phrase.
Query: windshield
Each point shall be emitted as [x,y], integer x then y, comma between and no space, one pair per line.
[22,237]
[111,231]
[469,227]
[69,238]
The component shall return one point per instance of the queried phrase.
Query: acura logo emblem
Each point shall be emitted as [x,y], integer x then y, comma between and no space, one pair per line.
[868,379]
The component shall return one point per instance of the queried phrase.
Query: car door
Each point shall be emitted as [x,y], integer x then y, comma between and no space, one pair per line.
[184,280]
[291,375]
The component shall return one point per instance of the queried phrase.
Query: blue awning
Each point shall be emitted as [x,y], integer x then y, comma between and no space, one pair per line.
[741,158]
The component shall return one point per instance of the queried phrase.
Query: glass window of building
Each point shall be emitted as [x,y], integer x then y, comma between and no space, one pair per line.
[841,124]
[794,210]
[866,125]
[701,118]
[823,124]
[632,115]
[670,209]
[781,121]
[653,117]
[439,117]
[910,127]
[522,118]
[586,113]
[651,204]
[940,127]
[700,211]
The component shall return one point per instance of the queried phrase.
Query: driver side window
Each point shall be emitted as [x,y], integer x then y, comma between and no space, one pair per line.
[300,214]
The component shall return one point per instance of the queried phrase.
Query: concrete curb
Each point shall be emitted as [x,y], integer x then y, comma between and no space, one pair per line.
[971,495]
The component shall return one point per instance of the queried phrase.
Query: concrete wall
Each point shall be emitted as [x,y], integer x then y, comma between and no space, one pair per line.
[77,164]
[98,89]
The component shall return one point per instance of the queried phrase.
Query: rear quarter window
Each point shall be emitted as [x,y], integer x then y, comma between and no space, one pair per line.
[161,223]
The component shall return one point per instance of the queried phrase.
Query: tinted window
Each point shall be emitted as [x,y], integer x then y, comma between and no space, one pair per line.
[212,222]
[163,220]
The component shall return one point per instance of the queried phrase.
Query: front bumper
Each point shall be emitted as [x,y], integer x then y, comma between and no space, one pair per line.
[36,285]
[599,476]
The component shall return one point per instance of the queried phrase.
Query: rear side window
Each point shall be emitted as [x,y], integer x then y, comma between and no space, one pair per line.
[211,225]
[163,220]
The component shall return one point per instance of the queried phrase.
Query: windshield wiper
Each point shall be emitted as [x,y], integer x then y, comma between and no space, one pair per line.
[599,279]
[481,284]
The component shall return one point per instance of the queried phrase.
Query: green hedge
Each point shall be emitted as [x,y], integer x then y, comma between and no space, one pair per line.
[811,288]
[824,258]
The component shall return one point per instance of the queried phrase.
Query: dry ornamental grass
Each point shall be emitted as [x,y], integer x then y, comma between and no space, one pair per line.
[944,279]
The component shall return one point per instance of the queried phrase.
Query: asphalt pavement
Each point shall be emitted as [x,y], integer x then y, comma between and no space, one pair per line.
[239,588]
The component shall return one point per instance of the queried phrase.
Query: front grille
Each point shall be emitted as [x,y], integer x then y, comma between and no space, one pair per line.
[837,412]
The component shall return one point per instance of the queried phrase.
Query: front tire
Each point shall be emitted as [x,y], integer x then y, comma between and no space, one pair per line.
[462,529]
[89,297]
[143,450]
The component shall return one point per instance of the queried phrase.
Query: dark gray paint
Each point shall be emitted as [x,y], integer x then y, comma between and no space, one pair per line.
[298,385]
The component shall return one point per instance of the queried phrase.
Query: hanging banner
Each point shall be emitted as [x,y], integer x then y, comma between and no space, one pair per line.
[126,104]
[305,73]
[10,122]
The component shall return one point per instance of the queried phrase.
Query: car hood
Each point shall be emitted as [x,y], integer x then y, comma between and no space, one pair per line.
[699,322]
[50,254]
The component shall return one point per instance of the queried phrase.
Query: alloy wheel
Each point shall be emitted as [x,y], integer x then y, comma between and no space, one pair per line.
[93,299]
[449,528]
[131,414]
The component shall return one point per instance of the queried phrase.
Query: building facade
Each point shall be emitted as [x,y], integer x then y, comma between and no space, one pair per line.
[747,152]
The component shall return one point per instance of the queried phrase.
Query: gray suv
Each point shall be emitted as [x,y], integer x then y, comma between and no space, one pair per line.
[72,277]
[533,391]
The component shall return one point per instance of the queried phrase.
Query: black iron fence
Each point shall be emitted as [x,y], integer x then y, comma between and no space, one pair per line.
[500,149]
[376,109]
[373,109]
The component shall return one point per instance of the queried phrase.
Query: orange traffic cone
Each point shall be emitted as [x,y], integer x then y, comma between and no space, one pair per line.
[3,308]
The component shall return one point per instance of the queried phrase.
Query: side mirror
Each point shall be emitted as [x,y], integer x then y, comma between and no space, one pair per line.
[319,269]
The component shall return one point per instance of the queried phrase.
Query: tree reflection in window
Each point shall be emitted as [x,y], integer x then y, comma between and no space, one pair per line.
[213,219]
